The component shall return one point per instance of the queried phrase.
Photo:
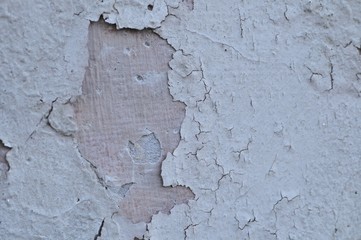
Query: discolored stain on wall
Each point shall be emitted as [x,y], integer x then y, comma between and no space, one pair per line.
[127,119]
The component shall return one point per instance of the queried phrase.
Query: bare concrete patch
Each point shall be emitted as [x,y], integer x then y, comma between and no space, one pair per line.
[127,120]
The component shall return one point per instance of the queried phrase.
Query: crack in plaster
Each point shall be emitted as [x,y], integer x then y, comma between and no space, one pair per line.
[44,117]
[331,77]
[224,44]
[247,224]
[99,233]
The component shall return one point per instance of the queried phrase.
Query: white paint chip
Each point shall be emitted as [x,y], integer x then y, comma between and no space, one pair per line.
[146,150]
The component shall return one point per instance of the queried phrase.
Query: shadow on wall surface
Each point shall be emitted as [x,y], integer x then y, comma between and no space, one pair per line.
[128,120]
[4,165]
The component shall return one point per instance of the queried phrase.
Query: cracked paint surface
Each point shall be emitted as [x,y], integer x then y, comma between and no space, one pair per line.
[272,132]
[270,138]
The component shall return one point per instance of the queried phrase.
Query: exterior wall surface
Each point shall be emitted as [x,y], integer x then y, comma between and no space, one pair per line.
[180,119]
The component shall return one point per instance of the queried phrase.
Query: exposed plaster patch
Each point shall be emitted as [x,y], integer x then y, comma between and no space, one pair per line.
[127,119]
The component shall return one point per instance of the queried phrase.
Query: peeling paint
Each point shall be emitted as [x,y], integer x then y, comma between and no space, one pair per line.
[130,14]
[265,146]
[127,119]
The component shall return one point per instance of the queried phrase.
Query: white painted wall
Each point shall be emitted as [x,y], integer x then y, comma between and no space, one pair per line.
[270,141]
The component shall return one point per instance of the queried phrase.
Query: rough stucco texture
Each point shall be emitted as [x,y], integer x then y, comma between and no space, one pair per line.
[270,140]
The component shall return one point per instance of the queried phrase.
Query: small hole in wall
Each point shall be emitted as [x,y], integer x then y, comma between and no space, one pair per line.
[147,44]
[139,78]
[355,192]
[150,7]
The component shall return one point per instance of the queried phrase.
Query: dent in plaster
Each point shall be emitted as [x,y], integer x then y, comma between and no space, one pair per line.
[4,164]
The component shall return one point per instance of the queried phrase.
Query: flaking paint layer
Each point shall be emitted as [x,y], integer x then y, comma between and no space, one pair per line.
[270,138]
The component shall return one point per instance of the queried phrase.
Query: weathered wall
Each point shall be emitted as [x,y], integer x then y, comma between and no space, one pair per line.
[268,147]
